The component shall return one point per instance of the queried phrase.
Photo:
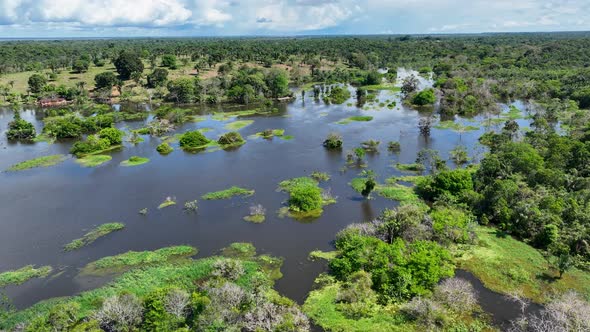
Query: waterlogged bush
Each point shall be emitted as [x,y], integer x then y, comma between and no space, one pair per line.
[393,146]
[19,129]
[193,140]
[164,148]
[333,141]
[191,206]
[232,138]
[113,135]
[337,95]
[92,144]
[425,97]
[305,198]
[445,183]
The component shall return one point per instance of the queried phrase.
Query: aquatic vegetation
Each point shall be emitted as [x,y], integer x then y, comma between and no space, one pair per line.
[143,211]
[393,146]
[424,97]
[288,185]
[225,116]
[45,161]
[93,160]
[94,235]
[231,139]
[164,148]
[191,206]
[270,133]
[135,161]
[169,201]
[405,178]
[239,250]
[320,176]
[358,118]
[333,141]
[132,259]
[358,184]
[370,145]
[228,193]
[326,255]
[452,125]
[384,86]
[192,140]
[513,113]
[337,95]
[257,214]
[23,274]
[237,125]
[410,167]
[398,192]
[19,129]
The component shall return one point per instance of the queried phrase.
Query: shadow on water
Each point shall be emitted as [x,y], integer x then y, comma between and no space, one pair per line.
[501,309]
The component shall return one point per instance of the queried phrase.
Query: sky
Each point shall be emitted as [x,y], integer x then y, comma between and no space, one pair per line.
[129,18]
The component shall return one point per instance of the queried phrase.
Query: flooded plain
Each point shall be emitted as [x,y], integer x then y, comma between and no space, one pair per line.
[42,209]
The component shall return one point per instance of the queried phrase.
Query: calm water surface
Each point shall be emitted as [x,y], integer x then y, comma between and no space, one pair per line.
[43,209]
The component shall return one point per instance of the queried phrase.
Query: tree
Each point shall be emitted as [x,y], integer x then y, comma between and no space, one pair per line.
[37,82]
[409,85]
[169,60]
[564,263]
[113,135]
[182,90]
[333,141]
[193,139]
[424,125]
[425,97]
[105,80]
[128,63]
[305,198]
[277,81]
[19,129]
[80,66]
[372,78]
[157,78]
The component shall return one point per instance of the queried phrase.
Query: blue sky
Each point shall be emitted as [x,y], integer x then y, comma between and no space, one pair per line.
[120,18]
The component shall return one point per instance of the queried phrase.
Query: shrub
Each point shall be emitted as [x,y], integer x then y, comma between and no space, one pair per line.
[193,140]
[456,294]
[230,269]
[232,138]
[164,148]
[19,129]
[450,224]
[393,146]
[113,135]
[90,145]
[425,97]
[120,313]
[305,198]
[333,141]
[450,183]
[63,127]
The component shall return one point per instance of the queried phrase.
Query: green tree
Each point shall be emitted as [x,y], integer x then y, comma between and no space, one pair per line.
[169,60]
[19,129]
[424,97]
[37,82]
[182,90]
[128,63]
[105,80]
[81,66]
[113,135]
[157,78]
[277,81]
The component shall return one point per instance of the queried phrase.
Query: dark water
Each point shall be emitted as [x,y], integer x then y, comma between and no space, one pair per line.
[501,309]
[43,209]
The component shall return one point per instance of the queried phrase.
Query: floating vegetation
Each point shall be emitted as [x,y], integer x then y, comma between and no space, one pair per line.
[17,277]
[358,184]
[93,160]
[358,118]
[191,206]
[452,125]
[318,254]
[143,211]
[405,178]
[93,235]
[410,167]
[164,148]
[135,161]
[239,250]
[45,161]
[228,193]
[385,86]
[397,192]
[270,133]
[237,125]
[320,176]
[132,259]
[306,198]
[370,145]
[225,116]
[257,214]
[393,146]
[288,185]
[169,201]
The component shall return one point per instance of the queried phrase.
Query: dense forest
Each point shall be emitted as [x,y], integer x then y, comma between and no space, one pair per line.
[517,218]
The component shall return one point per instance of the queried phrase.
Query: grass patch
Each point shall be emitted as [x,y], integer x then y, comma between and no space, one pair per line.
[256,218]
[321,306]
[358,184]
[318,254]
[397,192]
[169,201]
[93,160]
[225,116]
[405,178]
[239,250]
[228,193]
[135,161]
[410,167]
[93,235]
[45,161]
[358,118]
[513,113]
[320,176]
[289,184]
[270,133]
[385,86]
[452,125]
[23,274]
[132,259]
[506,265]
[237,125]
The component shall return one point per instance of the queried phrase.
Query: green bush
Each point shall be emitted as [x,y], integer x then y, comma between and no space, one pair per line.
[232,138]
[92,144]
[193,140]
[305,198]
[19,129]
[164,148]
[63,127]
[333,141]
[445,183]
[425,97]
[451,224]
[113,135]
